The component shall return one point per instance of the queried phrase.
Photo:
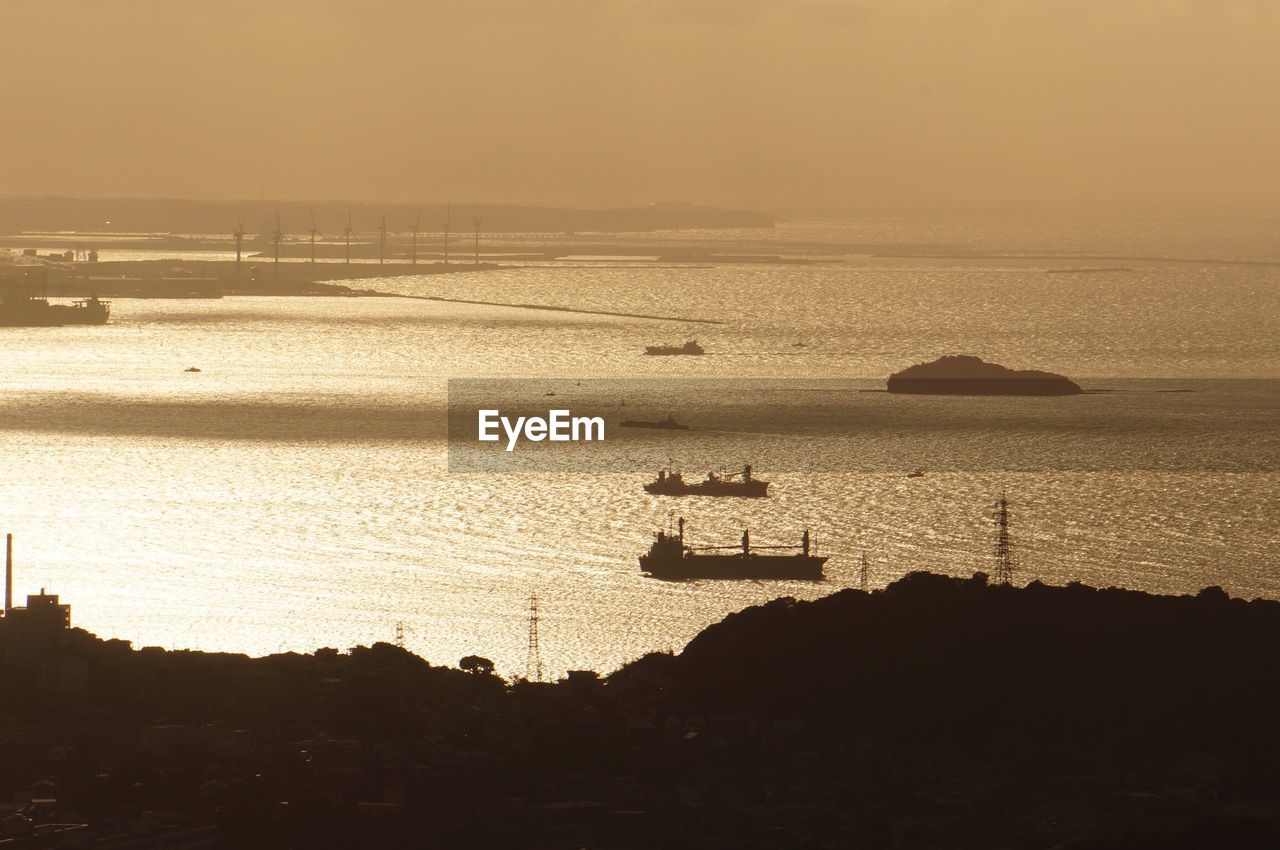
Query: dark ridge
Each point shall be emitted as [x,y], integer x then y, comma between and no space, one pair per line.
[938,712]
[943,657]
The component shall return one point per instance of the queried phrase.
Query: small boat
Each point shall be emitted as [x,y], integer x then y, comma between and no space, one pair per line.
[191,369]
[690,347]
[916,473]
[668,424]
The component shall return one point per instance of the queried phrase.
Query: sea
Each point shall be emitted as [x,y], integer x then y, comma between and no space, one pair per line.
[299,490]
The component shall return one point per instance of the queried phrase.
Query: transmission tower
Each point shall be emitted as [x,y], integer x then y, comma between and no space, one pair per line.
[862,572]
[1004,555]
[400,633]
[533,663]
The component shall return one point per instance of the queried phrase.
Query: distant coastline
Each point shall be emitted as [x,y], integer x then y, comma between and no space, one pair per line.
[211,279]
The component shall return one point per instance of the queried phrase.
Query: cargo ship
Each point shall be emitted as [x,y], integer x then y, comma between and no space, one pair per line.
[670,558]
[672,483]
[690,347]
[22,311]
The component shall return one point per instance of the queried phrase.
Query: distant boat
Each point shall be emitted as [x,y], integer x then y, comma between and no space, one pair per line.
[669,558]
[671,483]
[916,473]
[690,347]
[668,424]
[191,369]
[19,311]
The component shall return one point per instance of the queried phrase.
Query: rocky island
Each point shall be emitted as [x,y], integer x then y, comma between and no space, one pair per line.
[963,374]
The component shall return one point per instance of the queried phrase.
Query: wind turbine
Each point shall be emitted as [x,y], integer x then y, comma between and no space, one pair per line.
[382,239]
[276,236]
[476,219]
[417,222]
[348,233]
[238,235]
[448,214]
[314,233]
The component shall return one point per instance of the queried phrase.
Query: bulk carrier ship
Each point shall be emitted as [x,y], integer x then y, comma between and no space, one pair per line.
[670,558]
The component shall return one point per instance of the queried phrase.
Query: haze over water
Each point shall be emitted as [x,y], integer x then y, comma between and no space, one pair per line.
[294,493]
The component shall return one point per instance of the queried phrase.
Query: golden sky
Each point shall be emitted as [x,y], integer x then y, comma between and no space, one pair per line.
[790,104]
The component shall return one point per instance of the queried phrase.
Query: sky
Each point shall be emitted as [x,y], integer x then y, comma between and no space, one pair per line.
[791,104]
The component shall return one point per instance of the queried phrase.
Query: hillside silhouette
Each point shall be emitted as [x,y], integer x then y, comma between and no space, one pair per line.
[938,712]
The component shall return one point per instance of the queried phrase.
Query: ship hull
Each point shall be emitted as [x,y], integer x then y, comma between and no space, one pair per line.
[657,426]
[39,314]
[741,489]
[80,315]
[25,320]
[734,567]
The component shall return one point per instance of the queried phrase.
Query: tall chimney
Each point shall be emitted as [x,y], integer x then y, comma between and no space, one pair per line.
[8,573]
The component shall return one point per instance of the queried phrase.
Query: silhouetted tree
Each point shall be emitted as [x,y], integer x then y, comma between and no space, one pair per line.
[476,664]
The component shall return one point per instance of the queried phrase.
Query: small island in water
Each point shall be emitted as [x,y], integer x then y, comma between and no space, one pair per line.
[964,374]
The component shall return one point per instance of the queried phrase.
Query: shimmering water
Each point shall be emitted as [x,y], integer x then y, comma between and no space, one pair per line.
[294,493]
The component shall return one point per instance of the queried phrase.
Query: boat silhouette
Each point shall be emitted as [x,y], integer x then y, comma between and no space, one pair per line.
[690,347]
[670,558]
[671,483]
[668,424]
[18,310]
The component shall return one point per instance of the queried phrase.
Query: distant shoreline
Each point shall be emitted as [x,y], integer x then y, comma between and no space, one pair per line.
[212,279]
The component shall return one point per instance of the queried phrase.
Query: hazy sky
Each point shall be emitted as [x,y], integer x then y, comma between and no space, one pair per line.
[784,104]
